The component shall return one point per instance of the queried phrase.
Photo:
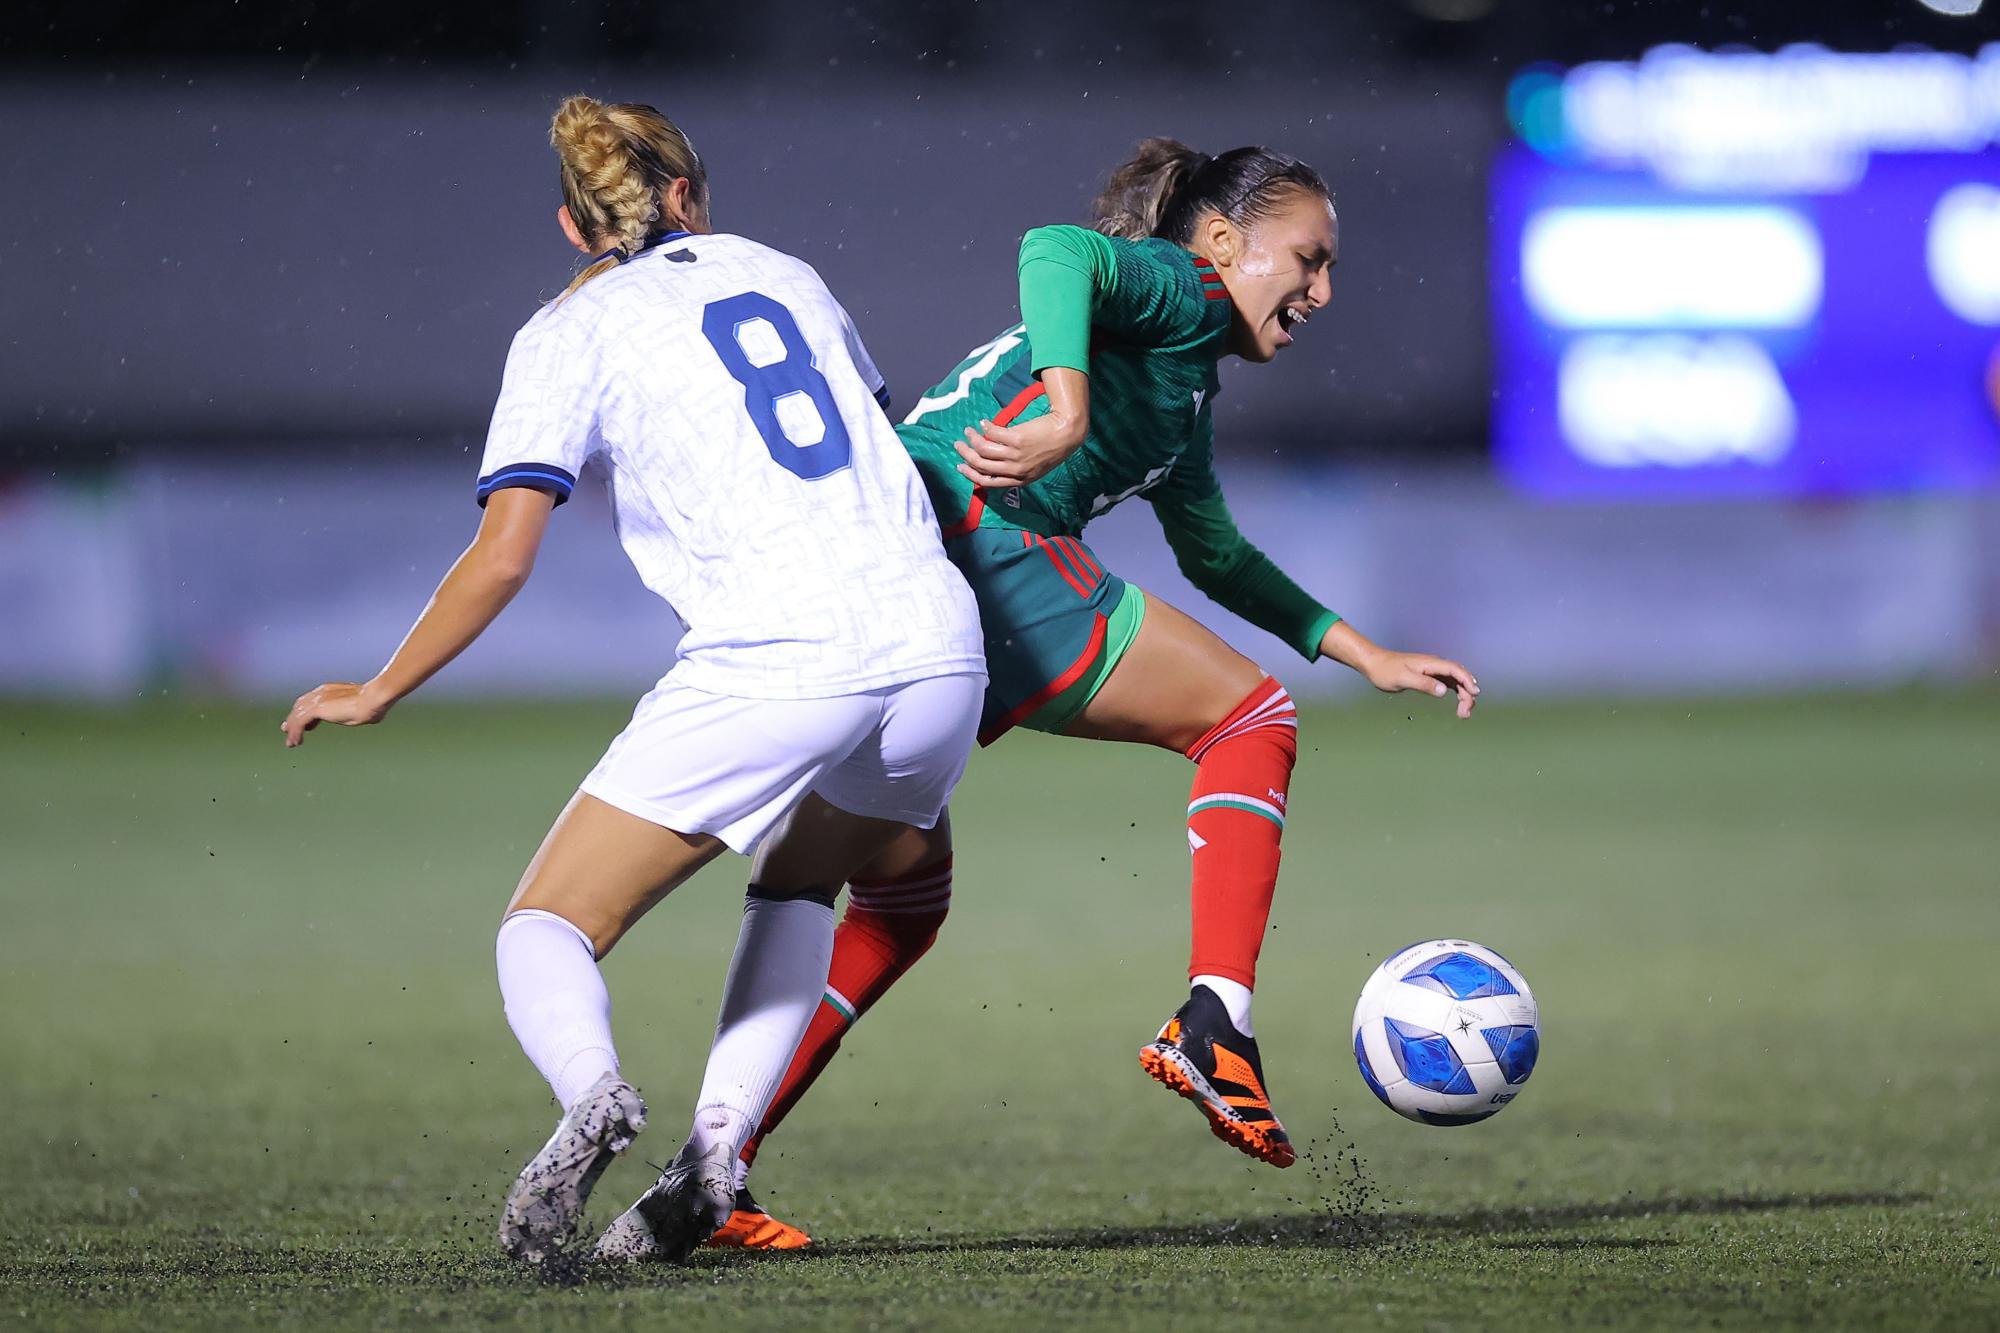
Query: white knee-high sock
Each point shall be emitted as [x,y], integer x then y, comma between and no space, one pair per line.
[556,1001]
[775,983]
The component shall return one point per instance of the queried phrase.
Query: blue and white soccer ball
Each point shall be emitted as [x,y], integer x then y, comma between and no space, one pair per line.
[1446,1032]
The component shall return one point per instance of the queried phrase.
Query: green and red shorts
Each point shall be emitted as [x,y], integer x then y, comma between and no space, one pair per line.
[1056,623]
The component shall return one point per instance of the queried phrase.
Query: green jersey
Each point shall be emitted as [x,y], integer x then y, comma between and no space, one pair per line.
[1147,321]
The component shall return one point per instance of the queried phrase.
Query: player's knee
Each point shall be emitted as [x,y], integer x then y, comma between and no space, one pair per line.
[907,936]
[1233,682]
[604,938]
[764,893]
[920,929]
[597,929]
[598,941]
[1265,716]
[907,911]
[1281,717]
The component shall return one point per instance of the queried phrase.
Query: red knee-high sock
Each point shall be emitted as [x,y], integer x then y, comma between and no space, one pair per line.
[1236,815]
[889,925]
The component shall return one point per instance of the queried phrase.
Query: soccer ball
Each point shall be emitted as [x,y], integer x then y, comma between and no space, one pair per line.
[1446,1032]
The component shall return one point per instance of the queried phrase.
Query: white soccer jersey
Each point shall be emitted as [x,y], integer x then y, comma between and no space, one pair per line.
[757,485]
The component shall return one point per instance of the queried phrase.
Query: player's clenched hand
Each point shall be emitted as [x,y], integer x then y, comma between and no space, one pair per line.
[1001,456]
[1392,672]
[340,701]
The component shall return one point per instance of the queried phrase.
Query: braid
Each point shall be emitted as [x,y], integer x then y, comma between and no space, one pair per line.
[616,159]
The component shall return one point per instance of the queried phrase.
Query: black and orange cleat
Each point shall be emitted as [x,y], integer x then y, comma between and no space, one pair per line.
[1202,1056]
[751,1228]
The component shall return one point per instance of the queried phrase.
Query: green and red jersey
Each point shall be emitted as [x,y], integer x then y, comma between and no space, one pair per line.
[1147,321]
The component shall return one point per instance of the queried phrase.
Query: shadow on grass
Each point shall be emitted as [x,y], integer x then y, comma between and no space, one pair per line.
[95,1275]
[1512,1228]
[1539,1243]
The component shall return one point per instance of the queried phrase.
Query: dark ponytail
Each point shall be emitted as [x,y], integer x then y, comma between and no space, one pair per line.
[1167,187]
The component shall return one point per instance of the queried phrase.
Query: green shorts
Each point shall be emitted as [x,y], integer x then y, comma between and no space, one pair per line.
[1056,624]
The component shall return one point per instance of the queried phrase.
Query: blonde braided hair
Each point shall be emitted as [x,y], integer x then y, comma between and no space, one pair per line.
[616,159]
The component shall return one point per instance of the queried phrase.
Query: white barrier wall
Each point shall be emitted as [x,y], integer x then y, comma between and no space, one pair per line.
[262,580]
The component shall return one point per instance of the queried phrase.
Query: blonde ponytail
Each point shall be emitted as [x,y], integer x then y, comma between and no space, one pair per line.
[616,159]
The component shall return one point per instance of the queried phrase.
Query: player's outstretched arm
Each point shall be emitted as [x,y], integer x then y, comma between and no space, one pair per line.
[475,590]
[1214,555]
[1392,672]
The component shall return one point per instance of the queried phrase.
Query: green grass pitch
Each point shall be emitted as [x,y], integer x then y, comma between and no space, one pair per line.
[253,1070]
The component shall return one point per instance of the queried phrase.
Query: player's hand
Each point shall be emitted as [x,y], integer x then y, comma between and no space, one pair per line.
[1393,672]
[340,701]
[1002,456]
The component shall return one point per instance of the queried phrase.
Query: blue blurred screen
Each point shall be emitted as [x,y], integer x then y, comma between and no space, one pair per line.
[1655,338]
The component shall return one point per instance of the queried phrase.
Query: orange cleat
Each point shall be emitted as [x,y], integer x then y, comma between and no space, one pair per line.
[751,1228]
[1200,1055]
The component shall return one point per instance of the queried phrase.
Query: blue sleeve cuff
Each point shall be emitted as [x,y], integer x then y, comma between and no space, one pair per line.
[882,396]
[535,476]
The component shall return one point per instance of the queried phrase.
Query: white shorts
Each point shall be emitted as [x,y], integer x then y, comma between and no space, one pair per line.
[697,762]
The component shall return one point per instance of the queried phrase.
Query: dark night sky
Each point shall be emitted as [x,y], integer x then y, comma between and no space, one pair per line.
[1284,36]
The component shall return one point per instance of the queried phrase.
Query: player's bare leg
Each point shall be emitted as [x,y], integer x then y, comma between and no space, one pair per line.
[597,873]
[805,861]
[603,869]
[1177,680]
[1181,687]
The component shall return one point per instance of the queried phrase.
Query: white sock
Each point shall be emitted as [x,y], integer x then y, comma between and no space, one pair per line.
[1235,997]
[556,1001]
[775,983]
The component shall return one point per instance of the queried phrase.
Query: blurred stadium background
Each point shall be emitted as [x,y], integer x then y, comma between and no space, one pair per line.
[1662,379]
[1664,353]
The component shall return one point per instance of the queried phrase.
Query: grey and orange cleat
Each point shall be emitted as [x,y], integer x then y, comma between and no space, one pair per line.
[547,1198]
[690,1202]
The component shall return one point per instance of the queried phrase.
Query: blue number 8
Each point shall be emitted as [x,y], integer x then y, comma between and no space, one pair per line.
[764,387]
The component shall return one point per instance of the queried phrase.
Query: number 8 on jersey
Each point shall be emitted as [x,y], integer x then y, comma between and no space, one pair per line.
[778,389]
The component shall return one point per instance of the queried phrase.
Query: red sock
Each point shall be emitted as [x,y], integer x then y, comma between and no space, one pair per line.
[889,925]
[1236,815]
